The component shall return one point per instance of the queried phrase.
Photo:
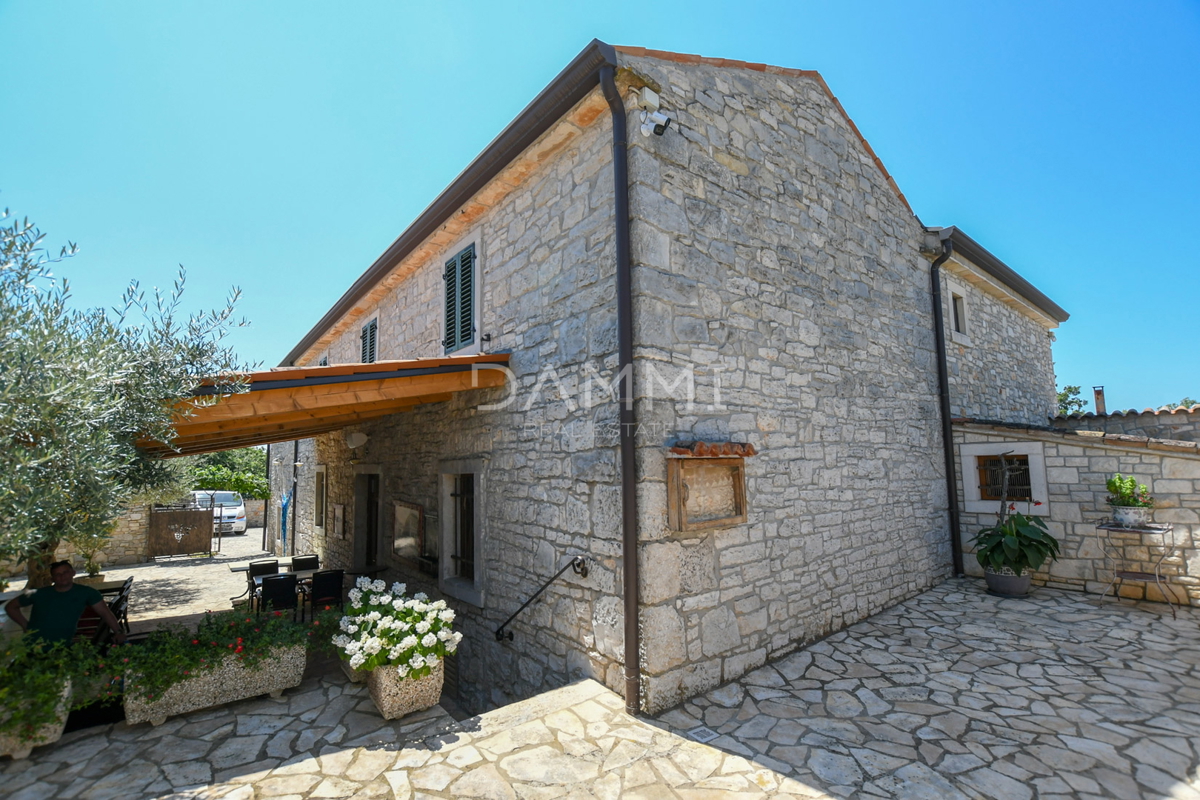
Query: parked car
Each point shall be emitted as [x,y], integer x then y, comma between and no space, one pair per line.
[229,510]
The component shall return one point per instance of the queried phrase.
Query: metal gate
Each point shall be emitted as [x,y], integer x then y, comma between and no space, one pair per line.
[177,531]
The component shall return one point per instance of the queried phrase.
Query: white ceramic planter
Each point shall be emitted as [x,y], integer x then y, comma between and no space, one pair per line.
[228,683]
[49,733]
[396,697]
[1131,516]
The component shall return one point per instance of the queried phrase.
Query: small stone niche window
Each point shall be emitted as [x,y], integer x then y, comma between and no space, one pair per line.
[959,322]
[991,471]
[706,485]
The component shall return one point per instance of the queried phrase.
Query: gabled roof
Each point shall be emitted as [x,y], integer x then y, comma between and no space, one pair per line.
[552,103]
[1133,412]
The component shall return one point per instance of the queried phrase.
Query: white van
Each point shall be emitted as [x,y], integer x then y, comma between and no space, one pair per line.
[229,510]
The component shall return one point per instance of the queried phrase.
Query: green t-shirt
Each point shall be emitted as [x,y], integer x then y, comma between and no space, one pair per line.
[55,614]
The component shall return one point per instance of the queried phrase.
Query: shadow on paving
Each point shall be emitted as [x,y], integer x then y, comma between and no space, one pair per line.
[959,694]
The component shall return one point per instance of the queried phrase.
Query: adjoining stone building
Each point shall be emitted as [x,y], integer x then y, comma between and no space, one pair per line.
[788,465]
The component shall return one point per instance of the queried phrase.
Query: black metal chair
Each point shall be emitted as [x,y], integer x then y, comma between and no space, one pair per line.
[326,589]
[269,566]
[305,562]
[278,593]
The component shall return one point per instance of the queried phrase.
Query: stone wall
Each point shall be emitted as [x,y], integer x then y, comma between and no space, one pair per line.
[127,545]
[547,266]
[773,256]
[1180,424]
[1002,368]
[1077,469]
[255,512]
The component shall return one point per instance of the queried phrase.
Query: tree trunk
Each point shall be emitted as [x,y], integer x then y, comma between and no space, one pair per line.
[37,566]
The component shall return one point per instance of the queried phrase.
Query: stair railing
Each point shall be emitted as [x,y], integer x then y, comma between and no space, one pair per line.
[578,564]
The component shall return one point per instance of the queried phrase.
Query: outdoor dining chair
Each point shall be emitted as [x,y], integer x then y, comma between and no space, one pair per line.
[269,566]
[278,593]
[305,562]
[326,589]
[122,603]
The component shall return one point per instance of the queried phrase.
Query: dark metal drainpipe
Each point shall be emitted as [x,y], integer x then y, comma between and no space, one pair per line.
[295,482]
[939,337]
[629,536]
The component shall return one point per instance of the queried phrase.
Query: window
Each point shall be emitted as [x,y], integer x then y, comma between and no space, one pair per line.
[370,335]
[997,473]
[461,287]
[460,568]
[983,476]
[959,322]
[324,362]
[319,497]
[705,493]
[960,313]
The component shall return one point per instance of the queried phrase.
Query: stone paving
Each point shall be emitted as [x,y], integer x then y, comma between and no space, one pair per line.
[180,589]
[951,694]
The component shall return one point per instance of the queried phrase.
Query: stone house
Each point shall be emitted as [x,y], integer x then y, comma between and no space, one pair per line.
[780,471]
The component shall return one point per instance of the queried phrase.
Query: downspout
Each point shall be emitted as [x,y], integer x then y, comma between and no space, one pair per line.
[629,534]
[939,338]
[295,481]
[267,503]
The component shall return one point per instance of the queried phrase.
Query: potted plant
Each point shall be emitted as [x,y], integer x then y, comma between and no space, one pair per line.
[1131,501]
[35,690]
[230,657]
[400,641]
[1015,547]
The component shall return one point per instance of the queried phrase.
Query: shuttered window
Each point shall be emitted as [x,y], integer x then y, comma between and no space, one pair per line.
[460,300]
[370,336]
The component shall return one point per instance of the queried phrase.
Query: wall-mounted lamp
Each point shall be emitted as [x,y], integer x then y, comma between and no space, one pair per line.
[355,439]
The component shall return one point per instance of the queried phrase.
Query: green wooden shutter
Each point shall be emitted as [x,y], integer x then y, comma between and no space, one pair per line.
[370,334]
[466,296]
[451,278]
[459,278]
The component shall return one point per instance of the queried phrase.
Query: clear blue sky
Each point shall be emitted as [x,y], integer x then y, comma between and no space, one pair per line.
[281,146]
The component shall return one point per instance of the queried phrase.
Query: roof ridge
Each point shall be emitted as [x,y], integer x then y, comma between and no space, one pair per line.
[731,63]
[1132,412]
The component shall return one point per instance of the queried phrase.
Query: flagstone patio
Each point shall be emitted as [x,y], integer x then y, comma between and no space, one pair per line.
[952,694]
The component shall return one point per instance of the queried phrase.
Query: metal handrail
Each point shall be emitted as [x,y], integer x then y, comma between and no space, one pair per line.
[578,564]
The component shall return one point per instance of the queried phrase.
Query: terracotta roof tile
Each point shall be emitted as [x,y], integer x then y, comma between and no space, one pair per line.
[713,449]
[1133,412]
[727,63]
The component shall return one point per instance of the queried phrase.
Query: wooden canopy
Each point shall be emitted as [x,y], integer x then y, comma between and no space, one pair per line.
[289,403]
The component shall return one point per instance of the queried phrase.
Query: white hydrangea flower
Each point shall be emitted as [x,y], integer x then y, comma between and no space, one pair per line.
[374,616]
[352,629]
[416,662]
[431,660]
[408,643]
[363,582]
[438,604]
[355,596]
[423,627]
[444,634]
[357,660]
[394,654]
[373,645]
[398,604]
[421,596]
[398,588]
[402,670]
[446,616]
[379,586]
[429,640]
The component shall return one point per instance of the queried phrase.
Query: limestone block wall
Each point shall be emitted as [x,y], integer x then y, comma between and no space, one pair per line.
[255,512]
[283,456]
[1002,368]
[547,266]
[1077,469]
[127,545]
[773,258]
[1182,424]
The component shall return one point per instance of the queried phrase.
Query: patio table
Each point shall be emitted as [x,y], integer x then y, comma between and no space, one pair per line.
[283,565]
[302,575]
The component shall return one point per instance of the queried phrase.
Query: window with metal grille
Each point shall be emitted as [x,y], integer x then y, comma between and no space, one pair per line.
[464,526]
[991,477]
[460,300]
[370,334]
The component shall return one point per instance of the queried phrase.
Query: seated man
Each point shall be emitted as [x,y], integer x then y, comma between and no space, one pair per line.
[57,608]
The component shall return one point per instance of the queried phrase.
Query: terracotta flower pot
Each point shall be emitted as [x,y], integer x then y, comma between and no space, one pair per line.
[227,683]
[49,733]
[1007,583]
[396,697]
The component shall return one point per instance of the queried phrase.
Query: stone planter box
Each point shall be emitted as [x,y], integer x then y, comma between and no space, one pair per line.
[396,697]
[49,733]
[228,683]
[354,675]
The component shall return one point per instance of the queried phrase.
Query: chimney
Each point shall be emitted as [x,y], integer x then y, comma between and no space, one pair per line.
[1101,409]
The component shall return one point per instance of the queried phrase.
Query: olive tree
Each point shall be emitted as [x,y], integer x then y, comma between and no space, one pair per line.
[80,388]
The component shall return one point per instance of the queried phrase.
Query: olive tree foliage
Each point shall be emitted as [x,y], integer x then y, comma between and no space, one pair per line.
[80,388]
